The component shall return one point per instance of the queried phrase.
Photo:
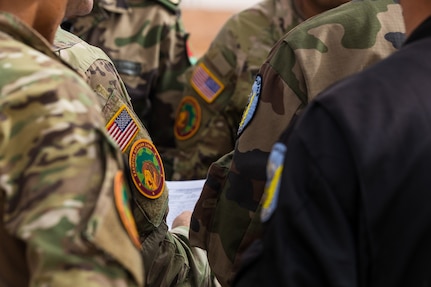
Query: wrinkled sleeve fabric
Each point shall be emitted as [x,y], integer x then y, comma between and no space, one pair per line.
[173,262]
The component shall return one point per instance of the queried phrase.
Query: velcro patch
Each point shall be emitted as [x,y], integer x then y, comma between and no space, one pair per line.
[253,100]
[122,128]
[206,83]
[274,169]
[122,203]
[188,118]
[147,169]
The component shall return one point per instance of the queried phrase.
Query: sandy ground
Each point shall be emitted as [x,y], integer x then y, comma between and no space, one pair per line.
[203,25]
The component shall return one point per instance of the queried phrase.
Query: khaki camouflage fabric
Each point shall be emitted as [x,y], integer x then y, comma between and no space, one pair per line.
[168,257]
[217,87]
[64,203]
[147,42]
[308,59]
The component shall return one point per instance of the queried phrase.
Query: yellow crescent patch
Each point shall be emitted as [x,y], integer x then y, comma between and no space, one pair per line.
[253,101]
[274,170]
[122,203]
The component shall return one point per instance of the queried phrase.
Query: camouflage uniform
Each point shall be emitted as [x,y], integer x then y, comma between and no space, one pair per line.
[147,42]
[218,85]
[64,204]
[168,257]
[315,54]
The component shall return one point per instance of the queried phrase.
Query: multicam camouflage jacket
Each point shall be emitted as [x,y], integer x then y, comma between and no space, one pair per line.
[147,42]
[64,202]
[217,87]
[168,258]
[308,59]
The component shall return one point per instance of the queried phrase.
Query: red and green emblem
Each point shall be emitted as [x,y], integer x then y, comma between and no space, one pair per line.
[147,169]
[188,118]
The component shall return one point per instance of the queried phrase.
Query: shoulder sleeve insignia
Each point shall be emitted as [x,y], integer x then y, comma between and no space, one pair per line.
[251,107]
[274,170]
[188,118]
[122,203]
[122,127]
[146,169]
[206,83]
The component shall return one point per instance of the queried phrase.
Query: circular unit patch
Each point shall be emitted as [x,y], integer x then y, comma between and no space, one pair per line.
[188,118]
[253,100]
[122,203]
[147,169]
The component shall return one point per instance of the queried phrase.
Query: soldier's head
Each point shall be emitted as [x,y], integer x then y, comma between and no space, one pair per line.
[309,8]
[78,8]
[415,12]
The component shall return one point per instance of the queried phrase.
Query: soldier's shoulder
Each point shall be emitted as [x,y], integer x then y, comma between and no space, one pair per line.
[171,5]
[351,18]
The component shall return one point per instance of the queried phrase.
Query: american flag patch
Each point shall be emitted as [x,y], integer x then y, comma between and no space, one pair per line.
[206,84]
[122,128]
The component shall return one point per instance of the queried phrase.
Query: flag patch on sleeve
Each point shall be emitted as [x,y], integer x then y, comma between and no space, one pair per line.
[206,84]
[122,128]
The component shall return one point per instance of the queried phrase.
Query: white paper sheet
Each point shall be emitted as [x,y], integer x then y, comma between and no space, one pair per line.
[182,196]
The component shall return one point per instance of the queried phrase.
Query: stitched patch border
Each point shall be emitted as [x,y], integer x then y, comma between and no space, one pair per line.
[205,83]
[146,169]
[188,118]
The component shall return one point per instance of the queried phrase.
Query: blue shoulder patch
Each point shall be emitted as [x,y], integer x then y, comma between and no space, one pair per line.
[274,169]
[253,100]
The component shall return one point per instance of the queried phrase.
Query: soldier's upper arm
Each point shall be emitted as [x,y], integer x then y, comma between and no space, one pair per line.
[65,196]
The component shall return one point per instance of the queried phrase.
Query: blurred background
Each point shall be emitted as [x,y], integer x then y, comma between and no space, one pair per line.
[203,19]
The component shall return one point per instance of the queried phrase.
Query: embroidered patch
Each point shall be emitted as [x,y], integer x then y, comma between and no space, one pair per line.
[274,170]
[147,169]
[122,203]
[188,118]
[253,100]
[122,128]
[206,84]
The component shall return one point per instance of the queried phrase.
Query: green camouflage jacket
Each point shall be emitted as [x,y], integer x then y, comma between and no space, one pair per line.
[168,258]
[147,42]
[64,202]
[217,87]
[308,59]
